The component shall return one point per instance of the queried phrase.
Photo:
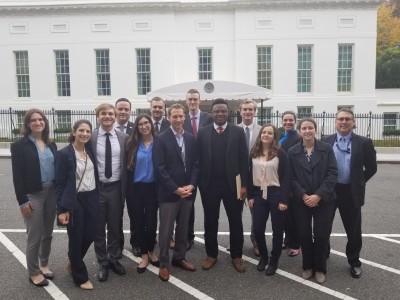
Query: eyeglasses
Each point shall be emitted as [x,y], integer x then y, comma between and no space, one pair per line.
[344,119]
[144,124]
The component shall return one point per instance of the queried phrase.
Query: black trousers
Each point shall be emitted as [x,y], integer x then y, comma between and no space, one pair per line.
[291,237]
[211,199]
[261,210]
[142,204]
[82,232]
[314,228]
[351,218]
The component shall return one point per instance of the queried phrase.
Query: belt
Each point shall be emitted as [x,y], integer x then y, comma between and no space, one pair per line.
[108,184]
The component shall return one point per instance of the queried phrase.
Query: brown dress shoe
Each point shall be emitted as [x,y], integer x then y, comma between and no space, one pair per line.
[86,286]
[183,264]
[164,273]
[208,263]
[239,265]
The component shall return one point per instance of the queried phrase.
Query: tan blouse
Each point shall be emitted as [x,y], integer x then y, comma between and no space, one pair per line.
[89,180]
[265,173]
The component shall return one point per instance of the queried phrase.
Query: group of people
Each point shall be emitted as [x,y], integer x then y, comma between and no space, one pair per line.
[155,165]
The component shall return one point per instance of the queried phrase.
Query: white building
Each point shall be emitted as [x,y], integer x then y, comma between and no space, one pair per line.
[314,55]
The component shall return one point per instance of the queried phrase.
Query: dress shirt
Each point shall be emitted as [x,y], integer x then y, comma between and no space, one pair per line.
[346,153]
[122,127]
[197,116]
[46,161]
[115,156]
[89,180]
[251,126]
[265,174]
[144,169]
[159,122]
[181,143]
[223,127]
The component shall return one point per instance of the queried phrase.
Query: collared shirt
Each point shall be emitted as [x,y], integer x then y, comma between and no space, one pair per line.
[346,152]
[89,180]
[181,143]
[144,170]
[159,122]
[122,127]
[46,162]
[223,126]
[115,156]
[265,174]
[197,116]
[251,127]
[285,135]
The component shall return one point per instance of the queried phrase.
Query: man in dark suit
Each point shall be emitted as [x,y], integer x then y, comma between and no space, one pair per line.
[224,174]
[195,119]
[109,148]
[124,111]
[356,160]
[157,110]
[176,167]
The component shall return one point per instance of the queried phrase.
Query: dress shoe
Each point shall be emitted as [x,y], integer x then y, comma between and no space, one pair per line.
[319,277]
[155,263]
[136,251]
[262,264]
[44,282]
[307,274]
[256,251]
[49,275]
[117,267]
[294,252]
[356,272]
[102,274]
[86,286]
[208,263]
[141,270]
[190,245]
[183,264]
[239,265]
[271,270]
[164,273]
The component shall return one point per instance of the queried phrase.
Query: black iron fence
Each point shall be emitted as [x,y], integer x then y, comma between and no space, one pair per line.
[383,129]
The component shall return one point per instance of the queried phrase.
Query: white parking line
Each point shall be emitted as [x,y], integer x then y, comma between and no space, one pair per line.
[386,239]
[173,280]
[52,289]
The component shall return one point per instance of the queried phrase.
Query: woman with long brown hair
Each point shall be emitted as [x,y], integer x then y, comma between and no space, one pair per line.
[141,198]
[268,194]
[32,159]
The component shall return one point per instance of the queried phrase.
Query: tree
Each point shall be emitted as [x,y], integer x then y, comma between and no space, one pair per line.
[388,26]
[388,69]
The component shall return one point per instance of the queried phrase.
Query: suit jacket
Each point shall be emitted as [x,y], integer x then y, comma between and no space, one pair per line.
[26,168]
[165,124]
[205,119]
[290,141]
[65,164]
[129,128]
[122,137]
[362,165]
[318,177]
[169,167]
[236,156]
[255,132]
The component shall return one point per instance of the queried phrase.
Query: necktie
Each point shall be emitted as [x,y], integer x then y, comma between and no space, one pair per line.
[194,126]
[247,132]
[108,171]
[341,159]
[157,127]
[220,130]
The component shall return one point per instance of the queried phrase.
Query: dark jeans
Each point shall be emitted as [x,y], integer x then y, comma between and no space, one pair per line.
[291,237]
[261,210]
[82,232]
[142,202]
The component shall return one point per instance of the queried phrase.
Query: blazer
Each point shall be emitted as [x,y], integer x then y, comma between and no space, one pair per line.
[165,124]
[205,119]
[362,165]
[65,163]
[256,131]
[170,170]
[283,176]
[236,156]
[26,168]
[290,141]
[122,137]
[129,128]
[318,177]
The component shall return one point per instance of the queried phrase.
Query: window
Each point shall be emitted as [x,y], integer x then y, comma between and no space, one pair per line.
[205,64]
[345,68]
[304,111]
[304,69]
[64,119]
[22,65]
[62,73]
[143,71]
[389,121]
[264,66]
[265,116]
[103,72]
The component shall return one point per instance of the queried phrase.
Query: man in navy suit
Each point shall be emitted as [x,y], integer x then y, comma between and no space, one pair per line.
[223,159]
[356,160]
[157,110]
[176,167]
[195,119]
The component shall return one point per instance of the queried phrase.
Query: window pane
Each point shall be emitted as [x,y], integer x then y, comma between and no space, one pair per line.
[143,73]
[205,63]
[264,66]
[345,68]
[304,66]
[103,73]
[22,70]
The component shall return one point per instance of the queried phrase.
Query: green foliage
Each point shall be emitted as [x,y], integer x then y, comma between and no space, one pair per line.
[391,132]
[388,69]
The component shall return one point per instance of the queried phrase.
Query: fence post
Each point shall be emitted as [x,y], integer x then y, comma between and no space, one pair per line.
[369,125]
[12,124]
[323,123]
[54,121]
[277,118]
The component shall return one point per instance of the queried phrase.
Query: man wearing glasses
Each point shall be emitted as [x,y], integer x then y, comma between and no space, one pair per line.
[356,159]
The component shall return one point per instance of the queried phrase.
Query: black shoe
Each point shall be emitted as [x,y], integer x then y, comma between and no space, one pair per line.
[117,268]
[102,274]
[262,264]
[44,282]
[48,275]
[190,245]
[356,272]
[155,263]
[136,251]
[271,270]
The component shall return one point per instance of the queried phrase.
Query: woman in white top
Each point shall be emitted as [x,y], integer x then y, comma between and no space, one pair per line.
[77,198]
[268,194]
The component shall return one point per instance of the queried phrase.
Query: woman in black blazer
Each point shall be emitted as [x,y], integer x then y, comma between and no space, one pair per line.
[78,199]
[313,174]
[32,159]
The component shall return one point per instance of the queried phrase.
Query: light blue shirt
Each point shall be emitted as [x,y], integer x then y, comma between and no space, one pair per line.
[46,161]
[346,152]
[144,170]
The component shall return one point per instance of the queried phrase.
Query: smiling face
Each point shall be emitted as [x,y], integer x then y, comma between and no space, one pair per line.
[267,135]
[36,124]
[123,112]
[176,116]
[344,123]
[144,126]
[82,134]
[288,122]
[220,114]
[247,112]
[193,102]
[157,109]
[106,119]
[307,130]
